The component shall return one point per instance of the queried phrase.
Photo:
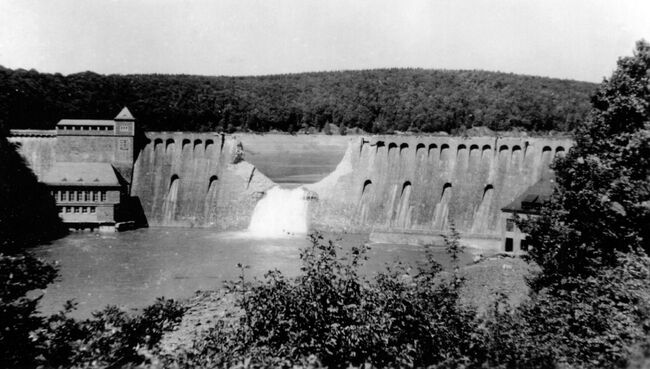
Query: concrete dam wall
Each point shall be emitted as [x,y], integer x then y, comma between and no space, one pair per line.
[196,179]
[398,184]
[422,184]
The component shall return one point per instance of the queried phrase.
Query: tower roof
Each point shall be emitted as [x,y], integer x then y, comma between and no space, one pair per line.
[124,114]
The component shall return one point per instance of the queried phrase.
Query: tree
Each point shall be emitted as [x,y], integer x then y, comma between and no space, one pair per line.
[590,303]
[602,204]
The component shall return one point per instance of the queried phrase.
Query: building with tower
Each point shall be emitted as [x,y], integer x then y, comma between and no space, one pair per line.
[90,168]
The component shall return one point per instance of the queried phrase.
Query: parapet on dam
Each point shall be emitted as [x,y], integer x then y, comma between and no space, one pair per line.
[399,188]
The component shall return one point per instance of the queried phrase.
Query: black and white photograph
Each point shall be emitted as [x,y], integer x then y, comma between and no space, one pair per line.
[320,184]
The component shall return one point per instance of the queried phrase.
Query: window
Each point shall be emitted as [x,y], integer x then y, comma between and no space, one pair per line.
[523,245]
[124,128]
[76,209]
[92,209]
[60,209]
[95,195]
[86,195]
[508,244]
[84,209]
[79,196]
[64,195]
[68,209]
[510,225]
[103,198]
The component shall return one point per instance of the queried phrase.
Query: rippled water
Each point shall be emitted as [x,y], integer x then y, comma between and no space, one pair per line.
[131,269]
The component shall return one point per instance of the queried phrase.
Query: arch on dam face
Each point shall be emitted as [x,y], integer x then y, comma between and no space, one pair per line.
[379,144]
[209,147]
[403,216]
[419,150]
[444,154]
[474,156]
[185,143]
[441,211]
[197,143]
[403,147]
[367,185]
[171,199]
[486,150]
[559,151]
[212,183]
[433,148]
[482,214]
[168,143]
[392,152]
[503,148]
[487,191]
[156,143]
[364,201]
[210,197]
[516,154]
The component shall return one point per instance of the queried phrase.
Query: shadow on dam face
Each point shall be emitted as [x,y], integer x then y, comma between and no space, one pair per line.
[292,160]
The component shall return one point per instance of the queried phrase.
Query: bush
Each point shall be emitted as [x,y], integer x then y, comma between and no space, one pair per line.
[20,274]
[110,338]
[336,317]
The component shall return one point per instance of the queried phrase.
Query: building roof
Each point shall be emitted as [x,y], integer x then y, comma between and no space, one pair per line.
[81,174]
[124,114]
[85,122]
[531,200]
[32,132]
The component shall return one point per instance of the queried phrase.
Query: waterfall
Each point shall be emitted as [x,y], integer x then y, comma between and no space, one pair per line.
[280,213]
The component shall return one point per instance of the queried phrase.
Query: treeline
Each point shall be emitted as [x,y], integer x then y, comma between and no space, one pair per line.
[376,101]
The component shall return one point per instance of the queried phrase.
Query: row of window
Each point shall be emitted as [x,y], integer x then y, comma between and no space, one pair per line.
[62,195]
[86,128]
[76,209]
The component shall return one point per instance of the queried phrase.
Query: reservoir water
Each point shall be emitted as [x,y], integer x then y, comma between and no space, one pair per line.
[131,269]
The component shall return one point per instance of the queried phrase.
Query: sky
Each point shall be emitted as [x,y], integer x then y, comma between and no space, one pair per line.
[571,39]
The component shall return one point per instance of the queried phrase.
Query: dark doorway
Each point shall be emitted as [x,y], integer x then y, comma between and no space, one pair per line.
[508,244]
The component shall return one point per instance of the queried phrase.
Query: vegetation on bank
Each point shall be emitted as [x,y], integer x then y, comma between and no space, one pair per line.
[588,307]
[376,101]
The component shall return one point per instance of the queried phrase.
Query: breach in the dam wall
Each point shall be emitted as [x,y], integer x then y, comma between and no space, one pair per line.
[420,184]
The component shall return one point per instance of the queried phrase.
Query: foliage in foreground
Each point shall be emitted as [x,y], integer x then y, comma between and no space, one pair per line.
[110,338]
[338,318]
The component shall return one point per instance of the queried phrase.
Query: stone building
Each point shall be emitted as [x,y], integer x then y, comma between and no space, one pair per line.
[87,195]
[528,204]
[87,165]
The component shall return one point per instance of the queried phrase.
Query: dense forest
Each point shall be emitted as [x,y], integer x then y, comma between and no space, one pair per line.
[376,101]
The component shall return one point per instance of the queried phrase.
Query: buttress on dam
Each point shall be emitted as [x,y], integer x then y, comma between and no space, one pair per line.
[406,189]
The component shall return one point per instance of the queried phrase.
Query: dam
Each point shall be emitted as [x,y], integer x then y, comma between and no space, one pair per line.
[398,188]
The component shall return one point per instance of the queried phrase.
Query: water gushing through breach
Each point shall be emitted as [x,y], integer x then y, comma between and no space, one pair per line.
[280,213]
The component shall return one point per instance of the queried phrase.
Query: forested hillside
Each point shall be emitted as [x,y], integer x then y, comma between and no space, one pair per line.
[377,101]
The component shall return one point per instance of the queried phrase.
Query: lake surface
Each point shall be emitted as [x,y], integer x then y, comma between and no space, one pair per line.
[130,269]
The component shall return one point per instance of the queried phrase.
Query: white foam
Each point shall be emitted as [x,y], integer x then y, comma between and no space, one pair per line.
[280,213]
